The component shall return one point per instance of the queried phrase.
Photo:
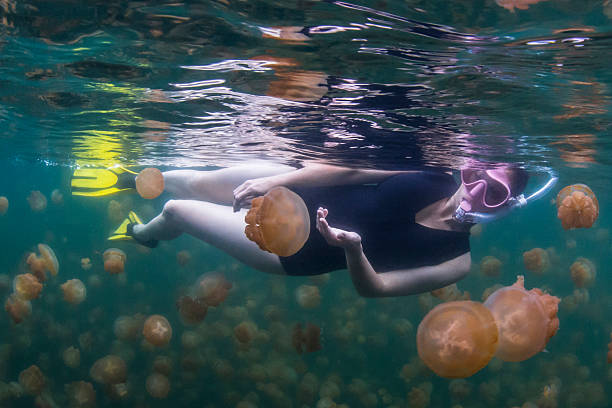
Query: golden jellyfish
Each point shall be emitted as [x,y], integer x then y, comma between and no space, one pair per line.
[490,266]
[127,327]
[306,340]
[457,339]
[57,197]
[19,309]
[50,260]
[109,369]
[526,320]
[192,309]
[37,201]
[158,385]
[37,266]
[32,380]
[536,260]
[577,207]
[163,365]
[583,272]
[27,286]
[183,257]
[74,291]
[450,293]
[115,211]
[81,394]
[114,261]
[245,332]
[72,357]
[150,183]
[308,296]
[213,289]
[157,330]
[278,222]
[85,264]
[4,205]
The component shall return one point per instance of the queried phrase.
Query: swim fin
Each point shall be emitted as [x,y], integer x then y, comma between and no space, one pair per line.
[125,231]
[101,182]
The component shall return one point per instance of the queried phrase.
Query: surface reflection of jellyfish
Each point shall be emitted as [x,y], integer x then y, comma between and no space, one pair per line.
[150,183]
[17,308]
[308,296]
[32,380]
[72,357]
[577,207]
[158,385]
[457,339]
[37,201]
[114,261]
[157,330]
[526,320]
[583,272]
[4,205]
[27,286]
[536,260]
[490,266]
[109,369]
[519,4]
[74,291]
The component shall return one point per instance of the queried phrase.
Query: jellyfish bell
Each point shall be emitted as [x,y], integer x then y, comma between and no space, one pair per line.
[72,357]
[212,288]
[536,260]
[150,183]
[583,272]
[48,255]
[4,205]
[27,286]
[37,201]
[526,320]
[18,308]
[110,369]
[577,207]
[278,222]
[85,264]
[81,394]
[114,260]
[74,291]
[32,380]
[306,340]
[157,330]
[245,332]
[157,385]
[57,197]
[192,309]
[308,296]
[127,328]
[457,339]
[490,266]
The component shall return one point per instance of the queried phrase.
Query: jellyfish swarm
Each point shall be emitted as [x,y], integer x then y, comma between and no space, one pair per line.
[577,207]
[46,262]
[32,380]
[19,309]
[150,183]
[583,272]
[114,260]
[158,385]
[278,222]
[37,201]
[157,330]
[4,204]
[490,266]
[306,340]
[457,339]
[109,369]
[27,286]
[74,291]
[192,309]
[536,260]
[212,289]
[81,394]
[526,320]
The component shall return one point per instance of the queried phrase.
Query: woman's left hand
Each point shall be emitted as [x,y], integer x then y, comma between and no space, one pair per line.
[335,236]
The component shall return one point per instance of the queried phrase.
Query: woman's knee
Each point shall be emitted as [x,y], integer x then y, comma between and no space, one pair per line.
[172,208]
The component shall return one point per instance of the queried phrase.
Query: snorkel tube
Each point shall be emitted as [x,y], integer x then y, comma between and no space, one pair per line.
[513,203]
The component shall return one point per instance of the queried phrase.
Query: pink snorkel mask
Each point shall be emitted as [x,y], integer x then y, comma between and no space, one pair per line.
[486,189]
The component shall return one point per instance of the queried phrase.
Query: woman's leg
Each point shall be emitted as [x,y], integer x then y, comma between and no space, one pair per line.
[217,186]
[215,224]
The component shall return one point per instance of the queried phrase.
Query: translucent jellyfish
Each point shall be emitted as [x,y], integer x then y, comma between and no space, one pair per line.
[127,327]
[57,197]
[74,291]
[19,309]
[192,309]
[278,222]
[583,272]
[490,266]
[114,261]
[37,266]
[306,340]
[115,211]
[37,201]
[72,357]
[163,365]
[157,330]
[536,260]
[4,205]
[213,289]
[85,264]
[526,320]
[245,332]
[51,263]
[118,392]
[457,339]
[32,380]
[450,293]
[158,385]
[27,286]
[577,207]
[109,369]
[80,394]
[150,183]
[308,296]
[183,257]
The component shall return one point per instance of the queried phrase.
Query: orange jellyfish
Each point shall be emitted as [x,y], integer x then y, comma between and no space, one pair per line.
[72,357]
[27,286]
[245,332]
[114,261]
[157,330]
[158,385]
[450,293]
[577,207]
[50,260]
[490,266]
[85,264]
[457,339]
[74,291]
[306,340]
[278,222]
[536,260]
[150,183]
[32,380]
[4,205]
[308,296]
[19,309]
[526,320]
[37,201]
[37,266]
[583,272]
[109,369]
[213,289]
[192,309]
[81,394]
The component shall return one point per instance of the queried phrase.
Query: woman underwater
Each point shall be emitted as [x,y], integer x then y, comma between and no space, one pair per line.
[397,232]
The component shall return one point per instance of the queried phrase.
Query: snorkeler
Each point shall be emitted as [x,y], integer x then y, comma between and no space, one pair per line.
[397,232]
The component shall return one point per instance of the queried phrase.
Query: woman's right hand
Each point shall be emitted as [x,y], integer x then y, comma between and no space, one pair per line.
[247,191]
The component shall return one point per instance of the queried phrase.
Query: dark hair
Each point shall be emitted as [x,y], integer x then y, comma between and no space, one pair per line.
[518,180]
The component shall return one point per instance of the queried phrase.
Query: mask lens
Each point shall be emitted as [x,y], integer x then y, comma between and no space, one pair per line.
[496,194]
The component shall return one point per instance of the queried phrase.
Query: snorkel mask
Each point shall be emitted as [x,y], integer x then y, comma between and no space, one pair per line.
[489,196]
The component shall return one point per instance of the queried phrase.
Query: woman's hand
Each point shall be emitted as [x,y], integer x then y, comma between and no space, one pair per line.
[247,191]
[335,236]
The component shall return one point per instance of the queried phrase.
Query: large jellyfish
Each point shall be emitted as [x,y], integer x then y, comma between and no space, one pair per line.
[456,339]
[278,222]
[583,272]
[114,260]
[50,260]
[27,286]
[536,260]
[109,369]
[150,183]
[37,201]
[74,291]
[526,320]
[4,205]
[157,330]
[577,207]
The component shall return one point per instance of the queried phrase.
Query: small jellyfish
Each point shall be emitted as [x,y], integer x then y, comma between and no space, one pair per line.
[192,309]
[450,293]
[32,380]
[183,257]
[583,272]
[127,328]
[4,205]
[57,197]
[306,340]
[245,332]
[213,289]
[115,212]
[109,369]
[490,266]
[158,385]
[157,330]
[19,309]
[308,296]
[536,260]
[163,365]
[27,286]
[457,339]
[150,183]
[81,394]
[577,207]
[85,264]
[51,262]
[37,201]
[74,291]
[278,222]
[72,357]
[526,320]
[114,261]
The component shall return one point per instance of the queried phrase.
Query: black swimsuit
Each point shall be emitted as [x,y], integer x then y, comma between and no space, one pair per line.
[384,216]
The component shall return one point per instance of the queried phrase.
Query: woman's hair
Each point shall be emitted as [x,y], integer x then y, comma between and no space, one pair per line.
[518,180]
